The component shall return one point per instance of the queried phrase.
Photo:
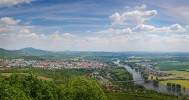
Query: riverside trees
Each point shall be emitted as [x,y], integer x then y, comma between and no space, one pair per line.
[174,86]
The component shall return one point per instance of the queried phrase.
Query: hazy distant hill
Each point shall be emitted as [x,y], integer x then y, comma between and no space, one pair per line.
[32,53]
[11,53]
[33,50]
[3,51]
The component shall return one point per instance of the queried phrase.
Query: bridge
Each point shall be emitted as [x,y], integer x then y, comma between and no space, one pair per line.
[128,81]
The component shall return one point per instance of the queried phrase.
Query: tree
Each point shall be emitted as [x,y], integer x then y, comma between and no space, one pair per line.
[173,86]
[155,82]
[184,88]
[81,88]
[21,87]
[29,87]
[168,84]
[178,86]
[13,93]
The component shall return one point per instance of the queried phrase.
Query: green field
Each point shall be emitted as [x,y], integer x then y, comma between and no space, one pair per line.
[120,74]
[134,61]
[173,66]
[183,83]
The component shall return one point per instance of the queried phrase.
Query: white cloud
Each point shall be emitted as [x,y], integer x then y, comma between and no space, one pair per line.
[8,21]
[132,17]
[150,28]
[143,27]
[69,35]
[57,35]
[143,6]
[14,35]
[112,31]
[8,24]
[172,28]
[13,2]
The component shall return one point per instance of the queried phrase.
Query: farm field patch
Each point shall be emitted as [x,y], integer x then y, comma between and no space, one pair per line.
[183,83]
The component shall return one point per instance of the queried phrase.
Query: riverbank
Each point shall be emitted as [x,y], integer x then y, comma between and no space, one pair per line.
[183,83]
[160,88]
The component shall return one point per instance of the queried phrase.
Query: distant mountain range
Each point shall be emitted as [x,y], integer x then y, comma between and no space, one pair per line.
[33,51]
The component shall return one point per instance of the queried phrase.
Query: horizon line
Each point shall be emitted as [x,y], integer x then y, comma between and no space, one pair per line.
[101,51]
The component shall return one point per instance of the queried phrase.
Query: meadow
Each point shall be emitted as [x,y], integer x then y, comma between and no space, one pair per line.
[173,66]
[183,83]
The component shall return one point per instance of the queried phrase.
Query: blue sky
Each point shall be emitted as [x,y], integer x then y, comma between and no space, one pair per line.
[95,25]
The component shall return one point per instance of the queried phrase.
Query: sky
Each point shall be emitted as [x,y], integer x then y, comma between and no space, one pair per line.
[95,25]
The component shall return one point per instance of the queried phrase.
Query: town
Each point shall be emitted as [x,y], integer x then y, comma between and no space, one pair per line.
[9,63]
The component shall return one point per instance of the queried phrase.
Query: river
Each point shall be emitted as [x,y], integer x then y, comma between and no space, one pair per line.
[139,80]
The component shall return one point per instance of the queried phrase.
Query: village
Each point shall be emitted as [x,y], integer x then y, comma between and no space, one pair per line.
[9,63]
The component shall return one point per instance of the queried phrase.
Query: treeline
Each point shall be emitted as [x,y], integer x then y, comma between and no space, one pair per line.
[52,73]
[21,87]
[173,86]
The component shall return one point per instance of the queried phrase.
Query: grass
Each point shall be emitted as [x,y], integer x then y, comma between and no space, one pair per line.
[173,66]
[183,83]
[39,77]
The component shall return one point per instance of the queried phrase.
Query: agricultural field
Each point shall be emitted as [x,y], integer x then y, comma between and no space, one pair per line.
[172,63]
[183,83]
[173,66]
[133,61]
[176,74]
